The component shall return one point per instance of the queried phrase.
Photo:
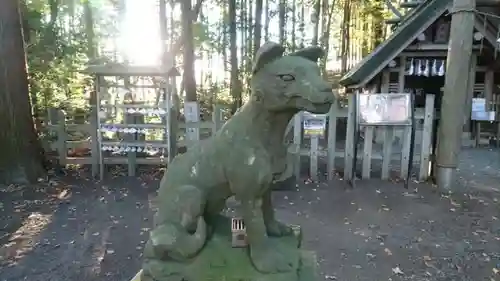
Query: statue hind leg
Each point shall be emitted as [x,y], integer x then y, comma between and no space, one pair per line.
[273,227]
[180,229]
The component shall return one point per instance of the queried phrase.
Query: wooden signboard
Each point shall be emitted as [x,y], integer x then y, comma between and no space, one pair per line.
[314,125]
[384,109]
[479,112]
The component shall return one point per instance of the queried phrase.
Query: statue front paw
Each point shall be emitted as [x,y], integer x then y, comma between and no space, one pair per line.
[278,229]
[269,258]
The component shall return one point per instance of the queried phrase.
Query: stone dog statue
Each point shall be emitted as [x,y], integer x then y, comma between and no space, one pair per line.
[242,159]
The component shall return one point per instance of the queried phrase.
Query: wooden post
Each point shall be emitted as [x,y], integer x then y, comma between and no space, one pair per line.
[173,124]
[405,150]
[488,95]
[192,121]
[488,87]
[332,139]
[99,93]
[95,149]
[477,138]
[367,152]
[217,118]
[455,91]
[388,130]
[57,117]
[426,150]
[313,157]
[349,140]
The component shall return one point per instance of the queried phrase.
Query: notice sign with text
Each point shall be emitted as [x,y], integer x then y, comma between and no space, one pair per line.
[314,124]
[384,109]
[479,112]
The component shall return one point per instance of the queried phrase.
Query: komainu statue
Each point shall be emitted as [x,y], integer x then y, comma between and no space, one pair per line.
[190,239]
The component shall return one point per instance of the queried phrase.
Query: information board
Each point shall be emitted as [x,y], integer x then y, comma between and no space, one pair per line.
[384,109]
[314,124]
[192,115]
[479,112]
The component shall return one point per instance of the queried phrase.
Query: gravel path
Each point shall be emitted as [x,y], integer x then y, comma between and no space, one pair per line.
[76,229]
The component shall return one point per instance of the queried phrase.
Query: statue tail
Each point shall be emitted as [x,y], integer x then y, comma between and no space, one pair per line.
[177,243]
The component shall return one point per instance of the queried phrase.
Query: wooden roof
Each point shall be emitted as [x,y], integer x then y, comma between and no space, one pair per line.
[414,23]
[130,70]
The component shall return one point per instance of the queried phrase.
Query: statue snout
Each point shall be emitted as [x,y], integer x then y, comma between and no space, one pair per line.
[327,94]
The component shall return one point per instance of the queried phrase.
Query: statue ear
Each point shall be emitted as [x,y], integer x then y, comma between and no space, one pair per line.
[311,53]
[266,54]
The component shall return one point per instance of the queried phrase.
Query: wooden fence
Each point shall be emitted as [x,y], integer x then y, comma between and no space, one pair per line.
[331,152]
[85,151]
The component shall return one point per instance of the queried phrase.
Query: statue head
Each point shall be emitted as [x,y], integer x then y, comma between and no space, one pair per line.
[290,82]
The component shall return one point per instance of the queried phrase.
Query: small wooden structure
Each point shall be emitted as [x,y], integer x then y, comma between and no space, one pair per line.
[125,96]
[413,60]
[128,102]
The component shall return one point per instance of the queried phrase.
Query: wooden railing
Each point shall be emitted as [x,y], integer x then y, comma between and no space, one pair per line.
[335,146]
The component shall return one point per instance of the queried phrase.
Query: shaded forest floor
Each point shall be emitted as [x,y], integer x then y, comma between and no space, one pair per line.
[76,229]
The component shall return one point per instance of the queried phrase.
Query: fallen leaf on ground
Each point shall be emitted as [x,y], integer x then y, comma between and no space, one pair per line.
[397,270]
[388,252]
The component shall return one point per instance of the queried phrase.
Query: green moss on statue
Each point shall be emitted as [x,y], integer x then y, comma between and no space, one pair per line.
[243,160]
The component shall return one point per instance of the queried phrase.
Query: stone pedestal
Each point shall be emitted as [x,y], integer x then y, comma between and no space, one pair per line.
[219,261]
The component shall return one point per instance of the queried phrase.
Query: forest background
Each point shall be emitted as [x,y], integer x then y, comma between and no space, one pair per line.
[45,45]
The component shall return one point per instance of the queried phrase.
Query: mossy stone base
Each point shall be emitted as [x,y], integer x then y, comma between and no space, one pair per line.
[219,261]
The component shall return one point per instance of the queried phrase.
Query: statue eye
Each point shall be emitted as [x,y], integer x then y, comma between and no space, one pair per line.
[286,77]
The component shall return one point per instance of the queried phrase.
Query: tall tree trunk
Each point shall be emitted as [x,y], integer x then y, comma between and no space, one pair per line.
[294,25]
[89,31]
[250,26]
[302,24]
[316,20]
[378,23]
[163,22]
[225,40]
[243,34]
[282,21]
[267,19]
[235,87]
[345,38]
[365,45]
[21,160]
[325,39]
[188,58]
[258,26]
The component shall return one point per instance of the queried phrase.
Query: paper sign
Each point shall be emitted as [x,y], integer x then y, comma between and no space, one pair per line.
[384,109]
[478,104]
[483,115]
[191,111]
[314,124]
[192,115]
[479,112]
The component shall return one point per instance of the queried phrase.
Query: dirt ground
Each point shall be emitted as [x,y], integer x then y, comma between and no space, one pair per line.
[76,229]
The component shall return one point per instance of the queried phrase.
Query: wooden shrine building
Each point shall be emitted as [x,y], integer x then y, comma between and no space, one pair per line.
[413,59]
